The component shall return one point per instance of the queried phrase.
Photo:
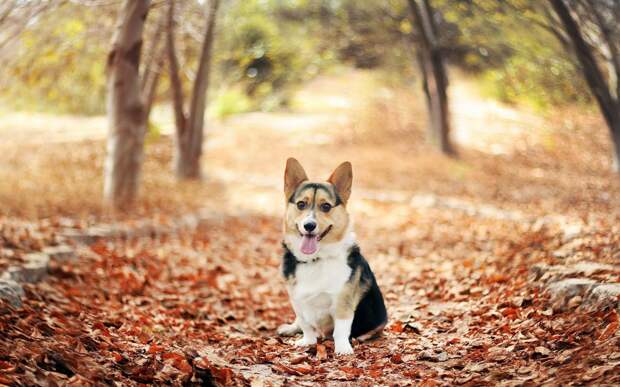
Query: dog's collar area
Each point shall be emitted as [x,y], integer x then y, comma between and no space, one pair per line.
[313,260]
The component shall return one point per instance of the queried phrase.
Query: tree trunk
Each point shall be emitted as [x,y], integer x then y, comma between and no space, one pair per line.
[434,78]
[173,73]
[609,106]
[150,88]
[615,137]
[189,136]
[126,118]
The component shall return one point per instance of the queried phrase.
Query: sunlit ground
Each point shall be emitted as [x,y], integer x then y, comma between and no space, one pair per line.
[509,156]
[451,242]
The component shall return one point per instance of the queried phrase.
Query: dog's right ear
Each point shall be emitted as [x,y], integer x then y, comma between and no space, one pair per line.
[294,175]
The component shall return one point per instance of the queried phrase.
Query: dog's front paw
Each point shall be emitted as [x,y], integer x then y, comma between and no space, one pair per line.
[288,329]
[305,341]
[343,348]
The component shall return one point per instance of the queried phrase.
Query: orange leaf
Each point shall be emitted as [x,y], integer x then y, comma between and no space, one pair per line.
[183,365]
[117,357]
[202,362]
[352,371]
[396,358]
[321,352]
[609,330]
[397,327]
[154,348]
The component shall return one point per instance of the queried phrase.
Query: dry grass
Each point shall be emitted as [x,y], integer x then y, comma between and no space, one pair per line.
[40,181]
[559,168]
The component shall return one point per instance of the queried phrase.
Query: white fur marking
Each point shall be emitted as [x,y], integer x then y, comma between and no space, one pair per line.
[317,285]
[342,331]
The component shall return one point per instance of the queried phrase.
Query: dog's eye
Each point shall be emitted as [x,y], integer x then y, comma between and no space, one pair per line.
[301,205]
[325,207]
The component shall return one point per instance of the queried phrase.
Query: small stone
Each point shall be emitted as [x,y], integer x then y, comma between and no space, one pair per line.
[589,268]
[61,253]
[571,231]
[570,287]
[11,292]
[432,356]
[77,236]
[604,295]
[33,270]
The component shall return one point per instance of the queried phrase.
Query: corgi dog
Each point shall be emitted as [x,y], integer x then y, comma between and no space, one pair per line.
[330,285]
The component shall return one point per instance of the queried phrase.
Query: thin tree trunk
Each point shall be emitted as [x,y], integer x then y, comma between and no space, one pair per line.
[150,91]
[435,80]
[127,121]
[152,56]
[615,137]
[173,74]
[610,107]
[614,55]
[189,139]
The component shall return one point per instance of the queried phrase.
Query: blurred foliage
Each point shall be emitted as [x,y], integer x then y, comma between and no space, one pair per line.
[264,48]
[517,57]
[56,67]
[229,102]
[264,56]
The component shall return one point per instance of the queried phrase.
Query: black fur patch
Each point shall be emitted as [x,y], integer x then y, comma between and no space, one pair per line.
[289,263]
[370,312]
[316,186]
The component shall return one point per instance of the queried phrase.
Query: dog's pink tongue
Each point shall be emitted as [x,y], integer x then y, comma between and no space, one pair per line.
[309,244]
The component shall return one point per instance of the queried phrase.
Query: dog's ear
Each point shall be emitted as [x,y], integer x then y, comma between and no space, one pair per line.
[342,178]
[294,175]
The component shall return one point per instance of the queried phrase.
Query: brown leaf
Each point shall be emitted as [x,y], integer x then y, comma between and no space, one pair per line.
[321,352]
[352,371]
[609,331]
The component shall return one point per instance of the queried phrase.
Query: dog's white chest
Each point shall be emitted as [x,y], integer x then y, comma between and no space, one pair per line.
[317,287]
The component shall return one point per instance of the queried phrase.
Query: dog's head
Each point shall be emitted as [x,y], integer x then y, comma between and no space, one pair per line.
[315,211]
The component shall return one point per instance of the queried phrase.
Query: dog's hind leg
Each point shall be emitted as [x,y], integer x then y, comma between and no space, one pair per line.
[289,329]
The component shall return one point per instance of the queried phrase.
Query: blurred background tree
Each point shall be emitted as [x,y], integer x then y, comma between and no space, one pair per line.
[270,46]
[519,51]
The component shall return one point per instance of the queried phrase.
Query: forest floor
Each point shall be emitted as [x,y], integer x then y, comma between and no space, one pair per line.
[462,249]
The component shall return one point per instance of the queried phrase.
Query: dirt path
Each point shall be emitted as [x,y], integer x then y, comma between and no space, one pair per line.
[322,107]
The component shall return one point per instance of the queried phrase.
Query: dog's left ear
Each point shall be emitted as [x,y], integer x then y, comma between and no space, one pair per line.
[342,178]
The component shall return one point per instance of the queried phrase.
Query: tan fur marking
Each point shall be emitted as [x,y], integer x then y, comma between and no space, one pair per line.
[294,175]
[372,334]
[342,179]
[350,296]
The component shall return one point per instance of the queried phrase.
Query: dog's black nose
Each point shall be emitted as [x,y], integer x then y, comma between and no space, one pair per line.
[310,226]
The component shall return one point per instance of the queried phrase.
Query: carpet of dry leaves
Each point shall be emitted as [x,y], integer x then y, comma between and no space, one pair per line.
[200,305]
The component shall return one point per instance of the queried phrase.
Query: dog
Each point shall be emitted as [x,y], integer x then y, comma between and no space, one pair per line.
[331,287]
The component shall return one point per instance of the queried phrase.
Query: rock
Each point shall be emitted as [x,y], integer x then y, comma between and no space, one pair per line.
[103,231]
[571,231]
[61,253]
[550,274]
[538,270]
[430,355]
[77,236]
[34,270]
[604,295]
[11,292]
[589,268]
[563,291]
[90,235]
